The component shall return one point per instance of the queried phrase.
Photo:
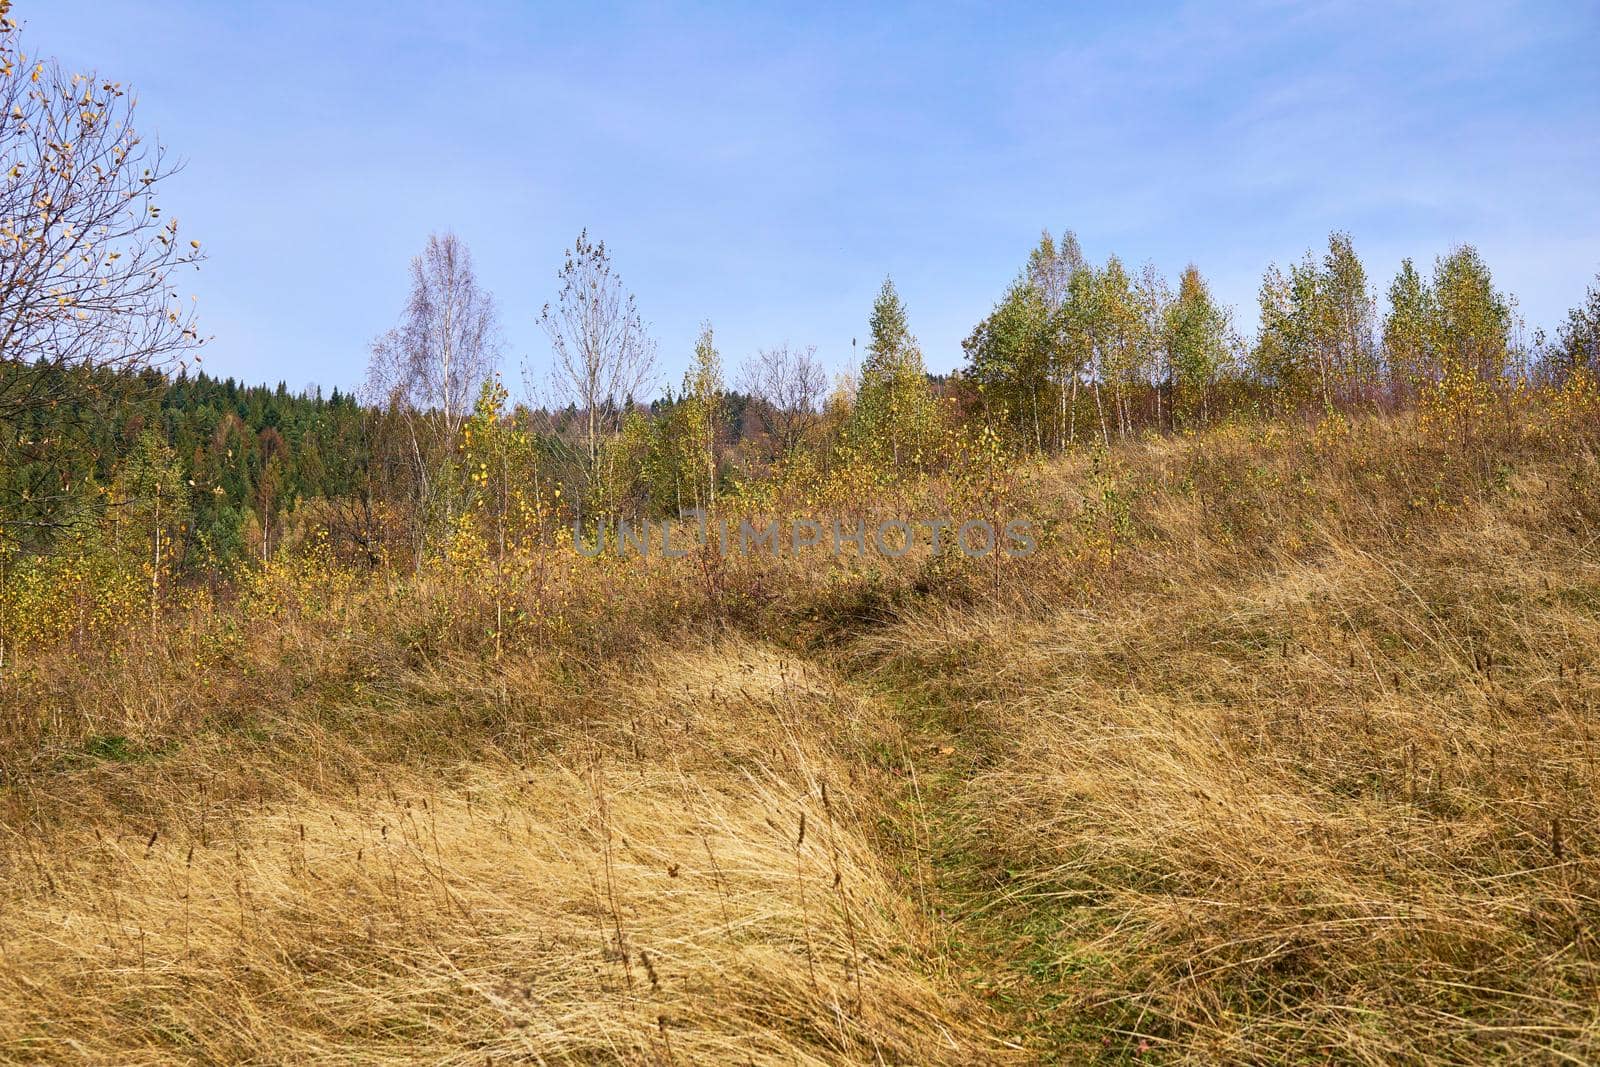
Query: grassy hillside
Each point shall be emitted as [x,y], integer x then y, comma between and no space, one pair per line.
[1281,748]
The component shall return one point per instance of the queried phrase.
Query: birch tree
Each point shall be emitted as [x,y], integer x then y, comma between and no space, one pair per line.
[1197,344]
[1406,346]
[429,370]
[1349,311]
[603,354]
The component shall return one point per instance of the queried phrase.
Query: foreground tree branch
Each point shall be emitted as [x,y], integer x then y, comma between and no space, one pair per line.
[88,260]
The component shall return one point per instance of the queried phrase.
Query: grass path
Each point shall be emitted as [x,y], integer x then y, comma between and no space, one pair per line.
[998,936]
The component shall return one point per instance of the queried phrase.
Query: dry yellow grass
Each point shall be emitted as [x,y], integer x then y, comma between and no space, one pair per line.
[672,882]
[1282,749]
[1327,790]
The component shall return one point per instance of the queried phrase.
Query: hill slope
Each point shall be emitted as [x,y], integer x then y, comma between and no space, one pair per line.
[1282,747]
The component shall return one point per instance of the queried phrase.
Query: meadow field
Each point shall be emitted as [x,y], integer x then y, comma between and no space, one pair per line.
[1280,748]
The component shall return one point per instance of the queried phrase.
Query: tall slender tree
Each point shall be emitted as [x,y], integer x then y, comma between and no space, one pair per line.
[1119,349]
[1407,351]
[705,401]
[1053,269]
[1348,312]
[1197,340]
[604,356]
[894,406]
[429,370]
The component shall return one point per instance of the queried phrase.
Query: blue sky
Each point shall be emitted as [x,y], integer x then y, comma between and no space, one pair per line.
[765,167]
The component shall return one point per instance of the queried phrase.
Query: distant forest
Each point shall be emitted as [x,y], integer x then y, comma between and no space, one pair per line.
[1073,355]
